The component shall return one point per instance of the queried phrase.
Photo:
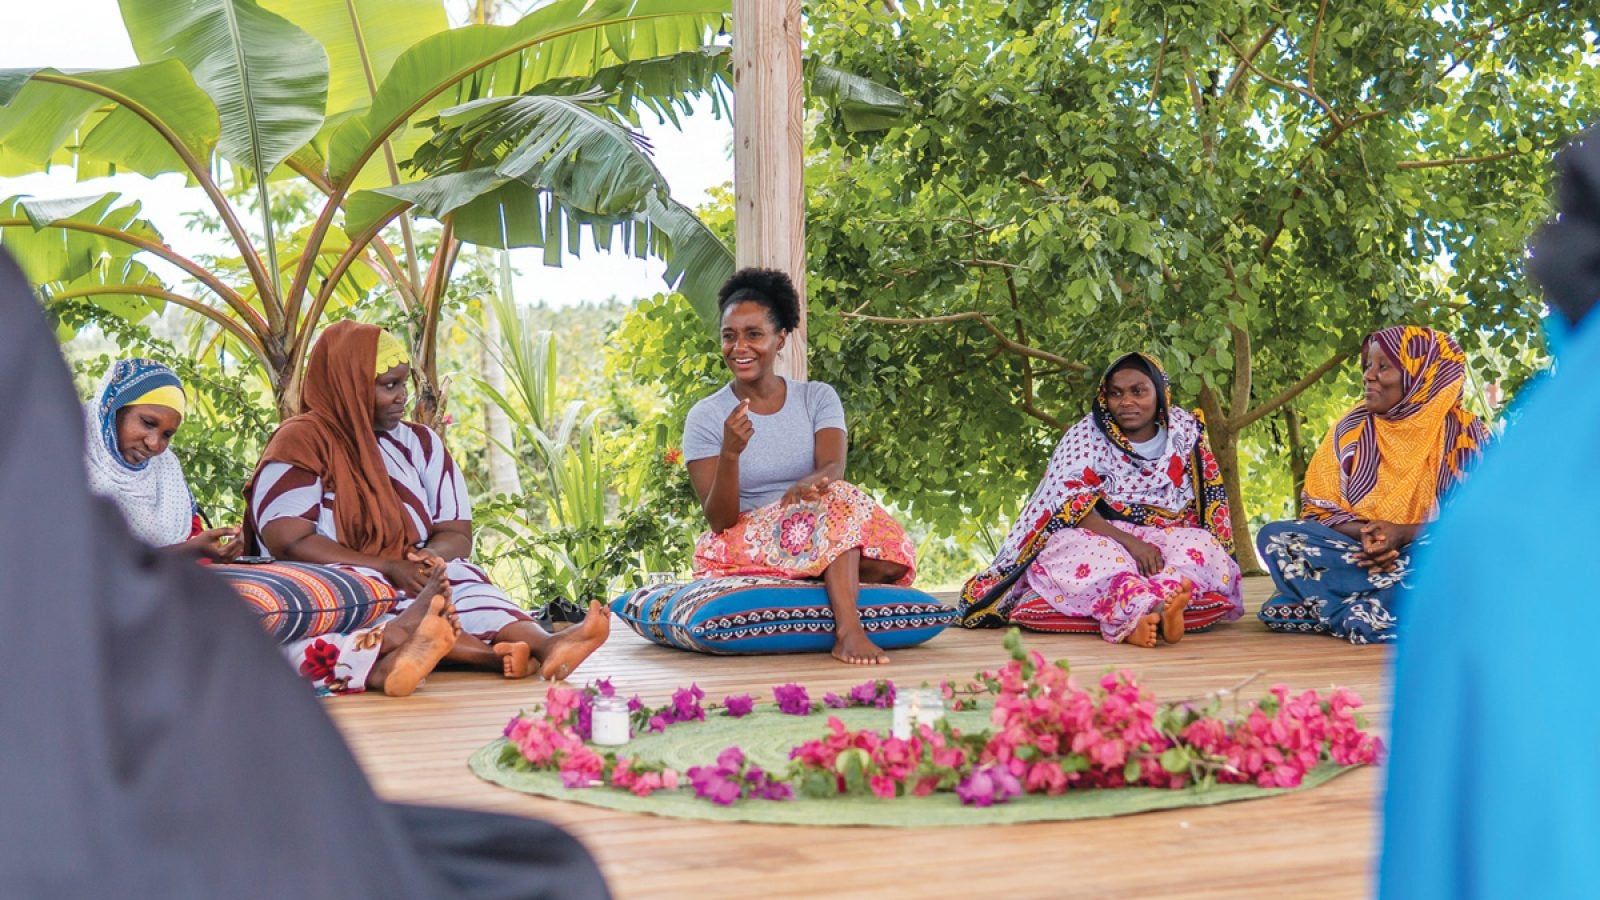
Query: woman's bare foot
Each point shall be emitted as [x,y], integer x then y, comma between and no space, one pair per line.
[569,648]
[417,657]
[516,658]
[857,649]
[396,633]
[1172,615]
[1144,632]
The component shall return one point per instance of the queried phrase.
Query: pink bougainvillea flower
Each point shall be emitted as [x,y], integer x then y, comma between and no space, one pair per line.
[792,699]
[739,706]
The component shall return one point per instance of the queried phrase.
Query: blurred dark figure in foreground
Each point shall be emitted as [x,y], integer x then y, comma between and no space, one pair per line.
[152,742]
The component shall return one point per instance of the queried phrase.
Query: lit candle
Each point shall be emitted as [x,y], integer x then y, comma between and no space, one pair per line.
[610,722]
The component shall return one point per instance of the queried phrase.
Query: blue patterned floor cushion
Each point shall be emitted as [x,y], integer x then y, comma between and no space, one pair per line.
[748,614]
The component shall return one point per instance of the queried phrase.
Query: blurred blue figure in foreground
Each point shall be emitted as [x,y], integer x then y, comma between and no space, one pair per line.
[1494,778]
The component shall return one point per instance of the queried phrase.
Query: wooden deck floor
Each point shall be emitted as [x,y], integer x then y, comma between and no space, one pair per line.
[1318,842]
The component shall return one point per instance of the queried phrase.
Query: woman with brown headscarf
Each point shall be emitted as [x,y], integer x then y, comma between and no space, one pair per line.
[348,483]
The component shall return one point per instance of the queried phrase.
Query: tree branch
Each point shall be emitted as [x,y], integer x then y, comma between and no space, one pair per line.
[1006,343]
[1161,60]
[389,265]
[1311,95]
[1237,77]
[199,273]
[1311,56]
[1207,139]
[1293,391]
[1454,161]
[138,290]
[1240,396]
[201,172]
[1029,405]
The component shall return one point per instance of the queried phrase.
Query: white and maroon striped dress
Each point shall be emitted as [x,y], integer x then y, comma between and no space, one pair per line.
[431,490]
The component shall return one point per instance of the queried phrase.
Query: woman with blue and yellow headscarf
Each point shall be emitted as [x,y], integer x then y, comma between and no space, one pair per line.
[1373,484]
[132,417]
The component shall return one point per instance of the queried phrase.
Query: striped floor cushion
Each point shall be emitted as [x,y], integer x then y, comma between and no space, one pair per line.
[745,614]
[1034,613]
[298,600]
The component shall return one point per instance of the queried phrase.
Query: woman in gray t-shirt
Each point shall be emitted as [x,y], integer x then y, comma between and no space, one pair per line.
[767,457]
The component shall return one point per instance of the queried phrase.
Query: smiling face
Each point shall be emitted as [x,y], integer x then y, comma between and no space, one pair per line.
[1131,396]
[1381,386]
[389,400]
[144,431]
[750,341]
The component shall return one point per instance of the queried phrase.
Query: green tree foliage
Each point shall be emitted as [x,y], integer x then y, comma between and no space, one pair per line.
[1243,188]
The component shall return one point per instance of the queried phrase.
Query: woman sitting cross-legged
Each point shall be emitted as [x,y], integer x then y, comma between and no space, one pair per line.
[1374,482]
[348,483]
[132,418]
[1129,522]
[767,458]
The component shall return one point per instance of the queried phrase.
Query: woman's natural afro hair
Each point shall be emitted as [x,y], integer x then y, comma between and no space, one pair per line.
[768,287]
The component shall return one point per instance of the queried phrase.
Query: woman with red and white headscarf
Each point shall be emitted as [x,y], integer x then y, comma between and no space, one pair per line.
[1128,527]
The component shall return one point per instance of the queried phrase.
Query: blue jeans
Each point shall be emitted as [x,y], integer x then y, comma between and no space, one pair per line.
[1322,590]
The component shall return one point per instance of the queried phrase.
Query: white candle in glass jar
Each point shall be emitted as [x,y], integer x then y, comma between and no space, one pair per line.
[609,724]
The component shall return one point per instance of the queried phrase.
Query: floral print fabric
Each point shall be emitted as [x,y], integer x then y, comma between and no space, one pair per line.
[338,663]
[1321,587]
[802,539]
[1081,573]
[1095,466]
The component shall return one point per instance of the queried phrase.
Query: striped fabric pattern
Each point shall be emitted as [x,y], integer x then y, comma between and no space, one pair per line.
[297,600]
[431,489]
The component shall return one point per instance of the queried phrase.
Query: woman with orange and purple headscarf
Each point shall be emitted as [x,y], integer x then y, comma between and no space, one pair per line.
[1372,486]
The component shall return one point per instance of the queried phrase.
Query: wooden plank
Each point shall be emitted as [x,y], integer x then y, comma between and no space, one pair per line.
[1320,841]
[769,152]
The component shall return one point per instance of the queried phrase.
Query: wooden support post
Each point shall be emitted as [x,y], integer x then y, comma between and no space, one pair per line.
[769,151]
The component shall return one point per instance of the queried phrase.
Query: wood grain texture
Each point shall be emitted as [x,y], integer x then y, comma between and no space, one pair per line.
[1320,842]
[769,152]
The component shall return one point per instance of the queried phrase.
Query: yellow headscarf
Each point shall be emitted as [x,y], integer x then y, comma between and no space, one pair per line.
[167,395]
[391,352]
[1394,466]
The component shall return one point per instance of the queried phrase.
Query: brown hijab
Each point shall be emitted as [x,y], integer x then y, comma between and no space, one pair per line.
[333,437]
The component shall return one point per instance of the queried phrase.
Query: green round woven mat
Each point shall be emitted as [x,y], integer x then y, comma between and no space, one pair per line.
[766,736]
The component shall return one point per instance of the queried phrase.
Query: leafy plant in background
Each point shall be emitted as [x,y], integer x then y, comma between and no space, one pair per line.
[338,95]
[567,533]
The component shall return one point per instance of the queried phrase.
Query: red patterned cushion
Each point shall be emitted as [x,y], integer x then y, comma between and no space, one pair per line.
[1035,614]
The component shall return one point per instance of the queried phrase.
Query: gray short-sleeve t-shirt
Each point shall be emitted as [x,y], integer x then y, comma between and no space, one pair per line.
[782,450]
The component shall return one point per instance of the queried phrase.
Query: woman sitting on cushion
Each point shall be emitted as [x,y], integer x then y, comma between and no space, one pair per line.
[348,483]
[1373,483]
[132,418]
[767,457]
[1128,523]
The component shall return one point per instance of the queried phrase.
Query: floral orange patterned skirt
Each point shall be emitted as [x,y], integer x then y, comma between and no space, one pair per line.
[803,539]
